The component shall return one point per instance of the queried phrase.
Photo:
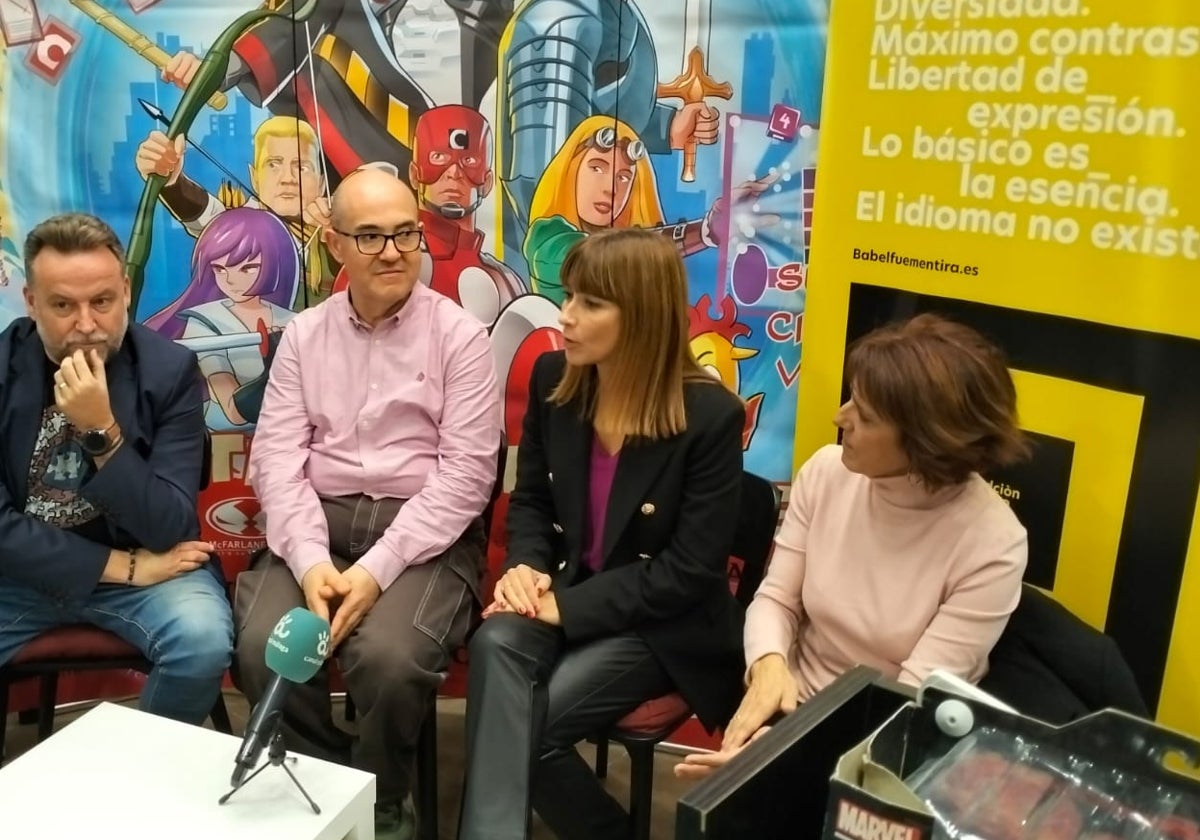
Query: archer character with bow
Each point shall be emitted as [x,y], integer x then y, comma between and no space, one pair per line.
[348,84]
[285,179]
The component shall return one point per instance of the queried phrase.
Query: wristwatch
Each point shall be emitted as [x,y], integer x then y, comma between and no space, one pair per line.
[97,442]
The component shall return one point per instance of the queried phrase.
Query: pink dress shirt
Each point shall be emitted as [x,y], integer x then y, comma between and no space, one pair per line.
[407,410]
[880,572]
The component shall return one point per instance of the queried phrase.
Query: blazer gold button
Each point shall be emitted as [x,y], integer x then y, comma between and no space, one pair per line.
[557,527]
[550,476]
[647,509]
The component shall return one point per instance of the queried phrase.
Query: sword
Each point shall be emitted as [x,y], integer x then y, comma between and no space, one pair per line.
[697,15]
[693,84]
[212,343]
[136,41]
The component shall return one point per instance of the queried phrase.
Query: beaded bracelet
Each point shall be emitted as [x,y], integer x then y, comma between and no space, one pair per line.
[132,563]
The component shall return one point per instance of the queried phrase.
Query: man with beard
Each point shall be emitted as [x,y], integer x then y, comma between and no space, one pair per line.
[101,447]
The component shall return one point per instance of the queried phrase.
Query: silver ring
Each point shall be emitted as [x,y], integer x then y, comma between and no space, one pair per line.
[62,384]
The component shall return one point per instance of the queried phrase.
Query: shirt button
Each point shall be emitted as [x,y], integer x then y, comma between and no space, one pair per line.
[374,387]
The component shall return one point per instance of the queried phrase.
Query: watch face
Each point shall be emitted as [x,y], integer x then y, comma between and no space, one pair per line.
[94,441]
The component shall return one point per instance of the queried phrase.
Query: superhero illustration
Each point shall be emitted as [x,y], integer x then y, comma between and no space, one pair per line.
[526,328]
[601,178]
[346,80]
[12,268]
[284,173]
[211,134]
[712,342]
[569,115]
[451,174]
[10,258]
[565,61]
[244,273]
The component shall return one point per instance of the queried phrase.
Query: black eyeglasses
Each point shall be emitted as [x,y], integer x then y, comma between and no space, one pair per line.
[372,244]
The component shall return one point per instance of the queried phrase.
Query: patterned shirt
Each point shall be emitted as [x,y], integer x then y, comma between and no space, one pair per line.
[58,468]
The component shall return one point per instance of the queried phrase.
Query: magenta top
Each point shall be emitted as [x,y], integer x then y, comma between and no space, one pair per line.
[603,470]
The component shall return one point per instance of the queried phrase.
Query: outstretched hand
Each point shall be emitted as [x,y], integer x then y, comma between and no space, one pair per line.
[698,765]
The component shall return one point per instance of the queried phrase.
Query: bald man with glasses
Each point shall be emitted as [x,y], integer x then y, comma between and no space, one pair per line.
[374,458]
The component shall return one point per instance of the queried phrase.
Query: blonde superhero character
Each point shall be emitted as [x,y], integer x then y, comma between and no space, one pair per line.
[602,178]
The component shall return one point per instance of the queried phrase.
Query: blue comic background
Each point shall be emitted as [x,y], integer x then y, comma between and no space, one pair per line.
[522,127]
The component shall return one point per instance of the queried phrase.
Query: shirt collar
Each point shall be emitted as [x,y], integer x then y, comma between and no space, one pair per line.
[393,320]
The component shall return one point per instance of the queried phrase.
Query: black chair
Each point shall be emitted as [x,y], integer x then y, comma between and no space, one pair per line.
[427,749]
[1054,666]
[643,729]
[83,647]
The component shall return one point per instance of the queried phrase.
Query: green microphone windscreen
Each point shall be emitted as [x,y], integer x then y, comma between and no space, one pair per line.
[297,646]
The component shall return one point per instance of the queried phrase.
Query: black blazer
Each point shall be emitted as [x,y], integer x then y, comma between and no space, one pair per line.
[671,520]
[1052,665]
[147,489]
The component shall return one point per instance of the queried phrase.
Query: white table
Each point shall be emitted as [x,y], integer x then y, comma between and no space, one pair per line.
[117,772]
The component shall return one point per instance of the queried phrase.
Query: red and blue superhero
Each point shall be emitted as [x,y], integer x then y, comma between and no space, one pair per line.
[451,173]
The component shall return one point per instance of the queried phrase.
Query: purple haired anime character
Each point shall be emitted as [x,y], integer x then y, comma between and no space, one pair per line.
[245,272]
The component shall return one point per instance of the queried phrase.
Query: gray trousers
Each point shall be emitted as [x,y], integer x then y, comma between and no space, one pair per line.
[530,699]
[393,662]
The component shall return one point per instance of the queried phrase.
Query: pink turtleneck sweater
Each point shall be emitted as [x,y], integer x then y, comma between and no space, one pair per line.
[880,572]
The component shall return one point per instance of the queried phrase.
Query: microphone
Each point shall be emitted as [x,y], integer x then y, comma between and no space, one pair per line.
[296,650]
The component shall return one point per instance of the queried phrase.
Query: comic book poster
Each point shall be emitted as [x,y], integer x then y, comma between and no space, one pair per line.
[211,133]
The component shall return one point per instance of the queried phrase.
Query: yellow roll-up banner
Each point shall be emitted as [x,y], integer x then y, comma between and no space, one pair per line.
[1030,167]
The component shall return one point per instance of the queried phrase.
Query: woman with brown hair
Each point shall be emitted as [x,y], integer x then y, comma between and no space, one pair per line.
[894,552]
[614,591]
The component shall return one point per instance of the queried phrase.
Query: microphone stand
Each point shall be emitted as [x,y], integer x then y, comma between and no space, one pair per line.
[278,757]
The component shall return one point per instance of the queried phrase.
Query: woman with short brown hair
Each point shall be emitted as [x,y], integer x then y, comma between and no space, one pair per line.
[948,393]
[895,553]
